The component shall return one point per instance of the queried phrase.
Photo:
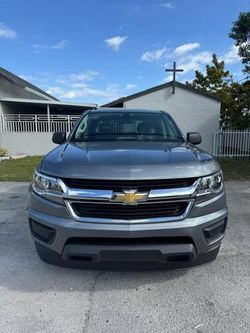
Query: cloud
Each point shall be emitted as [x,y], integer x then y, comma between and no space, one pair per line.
[167,5]
[39,47]
[86,92]
[77,85]
[167,79]
[185,48]
[86,86]
[62,44]
[84,76]
[231,56]
[193,62]
[190,58]
[130,86]
[55,90]
[27,77]
[40,77]
[115,42]
[197,61]
[153,55]
[6,32]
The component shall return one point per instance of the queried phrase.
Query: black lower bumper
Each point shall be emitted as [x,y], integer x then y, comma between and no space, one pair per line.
[115,257]
[141,253]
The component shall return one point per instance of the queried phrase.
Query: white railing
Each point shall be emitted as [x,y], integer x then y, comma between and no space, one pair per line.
[37,123]
[231,143]
[39,117]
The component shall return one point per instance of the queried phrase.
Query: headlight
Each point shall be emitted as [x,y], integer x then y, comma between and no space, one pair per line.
[48,187]
[211,184]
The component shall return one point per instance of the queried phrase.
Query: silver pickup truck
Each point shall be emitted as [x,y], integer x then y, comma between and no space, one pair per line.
[127,189]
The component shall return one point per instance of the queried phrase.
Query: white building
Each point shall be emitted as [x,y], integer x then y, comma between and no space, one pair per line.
[29,115]
[193,110]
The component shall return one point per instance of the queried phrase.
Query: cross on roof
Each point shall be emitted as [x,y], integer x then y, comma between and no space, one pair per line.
[174,70]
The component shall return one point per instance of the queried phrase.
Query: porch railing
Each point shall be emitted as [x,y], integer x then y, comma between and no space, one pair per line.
[37,123]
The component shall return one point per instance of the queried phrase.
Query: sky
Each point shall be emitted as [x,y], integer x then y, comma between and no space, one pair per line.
[94,51]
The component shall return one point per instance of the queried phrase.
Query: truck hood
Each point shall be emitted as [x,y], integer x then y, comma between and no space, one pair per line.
[130,160]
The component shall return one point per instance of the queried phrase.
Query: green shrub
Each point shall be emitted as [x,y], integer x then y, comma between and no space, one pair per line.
[3,152]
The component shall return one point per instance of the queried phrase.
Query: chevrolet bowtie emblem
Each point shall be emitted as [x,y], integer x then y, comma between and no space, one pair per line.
[129,197]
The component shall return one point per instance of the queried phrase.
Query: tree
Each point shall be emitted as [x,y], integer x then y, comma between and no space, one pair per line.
[234,96]
[241,34]
[236,106]
[215,79]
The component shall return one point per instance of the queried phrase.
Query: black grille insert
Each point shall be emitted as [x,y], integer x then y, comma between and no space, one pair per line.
[119,185]
[127,212]
[128,241]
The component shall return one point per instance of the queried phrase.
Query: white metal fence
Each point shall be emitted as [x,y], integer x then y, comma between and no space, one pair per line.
[37,123]
[232,143]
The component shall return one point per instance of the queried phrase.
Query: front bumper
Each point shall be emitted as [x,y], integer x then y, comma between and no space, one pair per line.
[188,242]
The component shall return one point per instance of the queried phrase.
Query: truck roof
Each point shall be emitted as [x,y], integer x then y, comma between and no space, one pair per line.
[126,110]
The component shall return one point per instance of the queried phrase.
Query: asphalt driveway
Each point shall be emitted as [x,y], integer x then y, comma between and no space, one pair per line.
[35,297]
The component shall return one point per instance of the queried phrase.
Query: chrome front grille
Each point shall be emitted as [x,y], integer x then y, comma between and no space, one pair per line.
[168,203]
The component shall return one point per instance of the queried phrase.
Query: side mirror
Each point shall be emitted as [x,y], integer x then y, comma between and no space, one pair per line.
[59,137]
[194,138]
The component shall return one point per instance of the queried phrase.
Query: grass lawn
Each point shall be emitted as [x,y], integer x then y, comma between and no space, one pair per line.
[21,170]
[235,168]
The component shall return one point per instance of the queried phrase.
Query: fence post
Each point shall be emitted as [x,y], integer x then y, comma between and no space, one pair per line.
[36,122]
[48,117]
[68,123]
[214,144]
[4,124]
[1,123]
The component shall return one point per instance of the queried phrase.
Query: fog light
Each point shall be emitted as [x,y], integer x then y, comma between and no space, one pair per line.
[42,232]
[215,231]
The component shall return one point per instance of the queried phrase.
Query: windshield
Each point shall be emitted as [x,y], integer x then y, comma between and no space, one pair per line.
[126,126]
